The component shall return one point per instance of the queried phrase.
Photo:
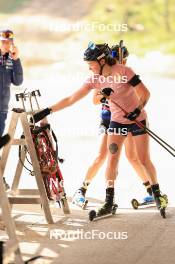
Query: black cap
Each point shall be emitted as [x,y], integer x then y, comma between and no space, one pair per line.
[6,34]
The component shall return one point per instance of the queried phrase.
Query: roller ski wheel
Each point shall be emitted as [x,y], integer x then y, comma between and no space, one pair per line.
[93,215]
[80,203]
[135,204]
[163,212]
[84,205]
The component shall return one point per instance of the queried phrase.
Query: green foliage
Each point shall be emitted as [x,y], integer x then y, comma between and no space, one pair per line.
[148,28]
[10,6]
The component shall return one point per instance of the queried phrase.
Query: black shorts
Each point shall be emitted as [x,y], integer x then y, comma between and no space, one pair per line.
[104,126]
[124,129]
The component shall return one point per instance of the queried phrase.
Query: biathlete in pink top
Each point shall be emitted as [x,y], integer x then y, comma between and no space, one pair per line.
[79,197]
[130,93]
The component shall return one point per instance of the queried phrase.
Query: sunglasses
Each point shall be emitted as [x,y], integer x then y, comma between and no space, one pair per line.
[91,45]
[7,35]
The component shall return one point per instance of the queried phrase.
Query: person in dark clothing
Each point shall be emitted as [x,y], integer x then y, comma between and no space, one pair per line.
[11,72]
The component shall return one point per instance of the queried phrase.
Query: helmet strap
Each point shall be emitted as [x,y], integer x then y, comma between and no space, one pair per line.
[101,67]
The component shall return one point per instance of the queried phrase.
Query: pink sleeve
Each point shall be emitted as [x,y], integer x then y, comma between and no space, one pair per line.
[129,73]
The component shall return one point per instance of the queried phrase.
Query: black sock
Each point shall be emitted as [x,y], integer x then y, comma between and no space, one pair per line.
[149,191]
[85,184]
[156,190]
[84,187]
[83,190]
[148,187]
[109,196]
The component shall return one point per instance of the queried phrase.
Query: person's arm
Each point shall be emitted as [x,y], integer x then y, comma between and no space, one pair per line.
[68,101]
[141,91]
[143,95]
[17,74]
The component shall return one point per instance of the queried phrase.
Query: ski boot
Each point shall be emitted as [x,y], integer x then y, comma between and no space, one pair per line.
[149,199]
[161,203]
[79,198]
[107,209]
[103,212]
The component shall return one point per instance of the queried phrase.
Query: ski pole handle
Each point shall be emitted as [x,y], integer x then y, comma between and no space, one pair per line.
[21,97]
[35,94]
[121,52]
[30,102]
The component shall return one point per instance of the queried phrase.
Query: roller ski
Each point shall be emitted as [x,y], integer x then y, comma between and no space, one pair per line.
[155,196]
[108,208]
[79,199]
[103,212]
[148,200]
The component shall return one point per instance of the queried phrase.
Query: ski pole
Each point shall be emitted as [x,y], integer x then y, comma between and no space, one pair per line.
[22,98]
[34,94]
[149,132]
[30,101]
[120,52]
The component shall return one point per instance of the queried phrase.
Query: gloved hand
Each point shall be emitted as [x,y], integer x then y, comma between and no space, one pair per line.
[40,115]
[103,100]
[4,140]
[133,115]
[107,91]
